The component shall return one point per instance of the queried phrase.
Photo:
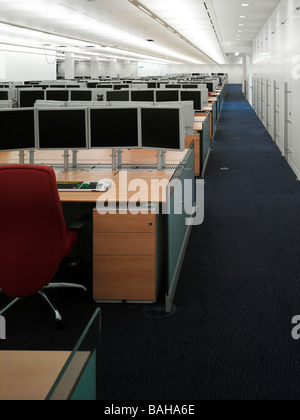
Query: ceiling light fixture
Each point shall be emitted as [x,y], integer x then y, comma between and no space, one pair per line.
[161,21]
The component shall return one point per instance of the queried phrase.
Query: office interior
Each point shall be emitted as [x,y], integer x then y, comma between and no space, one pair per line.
[200,99]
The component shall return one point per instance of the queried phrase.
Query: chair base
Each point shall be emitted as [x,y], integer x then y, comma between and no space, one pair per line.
[58,318]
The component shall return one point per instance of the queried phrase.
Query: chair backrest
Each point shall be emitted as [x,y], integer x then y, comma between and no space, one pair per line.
[32,229]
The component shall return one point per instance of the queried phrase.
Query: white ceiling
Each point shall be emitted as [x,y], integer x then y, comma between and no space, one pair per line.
[182,31]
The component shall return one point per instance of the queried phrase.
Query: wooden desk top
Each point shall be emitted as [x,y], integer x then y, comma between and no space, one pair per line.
[200,118]
[27,375]
[143,186]
[198,126]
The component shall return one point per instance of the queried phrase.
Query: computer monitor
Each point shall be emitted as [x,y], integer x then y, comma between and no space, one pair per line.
[57,86]
[189,86]
[173,86]
[167,95]
[121,86]
[27,97]
[57,95]
[104,86]
[192,95]
[189,113]
[118,95]
[91,84]
[163,128]
[80,95]
[4,95]
[19,125]
[62,128]
[143,95]
[114,128]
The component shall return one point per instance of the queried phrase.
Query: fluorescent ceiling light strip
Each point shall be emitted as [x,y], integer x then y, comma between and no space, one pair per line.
[128,53]
[159,20]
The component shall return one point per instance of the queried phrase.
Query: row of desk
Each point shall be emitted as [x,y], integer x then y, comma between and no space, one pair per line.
[139,246]
[133,255]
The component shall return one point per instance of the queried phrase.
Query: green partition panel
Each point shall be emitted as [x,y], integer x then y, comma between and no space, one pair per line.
[183,186]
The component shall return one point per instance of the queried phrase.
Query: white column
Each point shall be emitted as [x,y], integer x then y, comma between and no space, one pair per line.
[69,66]
[94,68]
[113,67]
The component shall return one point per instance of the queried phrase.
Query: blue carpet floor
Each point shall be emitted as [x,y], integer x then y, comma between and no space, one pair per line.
[230,337]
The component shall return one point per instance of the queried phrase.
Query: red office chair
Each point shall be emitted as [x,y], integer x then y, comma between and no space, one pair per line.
[33,235]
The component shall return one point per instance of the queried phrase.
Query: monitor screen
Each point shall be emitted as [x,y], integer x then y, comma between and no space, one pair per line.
[192,95]
[81,95]
[105,134]
[120,87]
[57,95]
[170,86]
[19,126]
[28,97]
[3,95]
[167,96]
[62,128]
[117,95]
[142,95]
[162,128]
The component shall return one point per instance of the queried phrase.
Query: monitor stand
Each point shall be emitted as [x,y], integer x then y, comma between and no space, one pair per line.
[116,159]
[21,157]
[66,160]
[74,162]
[161,159]
[31,157]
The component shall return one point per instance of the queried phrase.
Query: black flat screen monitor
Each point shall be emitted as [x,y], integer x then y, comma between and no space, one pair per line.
[3,95]
[80,95]
[104,86]
[192,95]
[162,128]
[91,84]
[142,95]
[210,86]
[120,87]
[19,126]
[104,131]
[170,86]
[57,95]
[167,96]
[64,128]
[189,86]
[27,98]
[117,95]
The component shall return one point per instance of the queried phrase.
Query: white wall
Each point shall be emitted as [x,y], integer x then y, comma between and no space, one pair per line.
[276,61]
[20,65]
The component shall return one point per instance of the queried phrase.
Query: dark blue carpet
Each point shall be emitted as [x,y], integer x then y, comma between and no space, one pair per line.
[230,337]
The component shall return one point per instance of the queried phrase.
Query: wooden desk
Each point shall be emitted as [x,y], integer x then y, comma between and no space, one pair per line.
[135,260]
[29,375]
[130,251]
[203,126]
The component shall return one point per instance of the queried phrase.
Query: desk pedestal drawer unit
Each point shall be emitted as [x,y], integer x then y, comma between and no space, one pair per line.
[125,257]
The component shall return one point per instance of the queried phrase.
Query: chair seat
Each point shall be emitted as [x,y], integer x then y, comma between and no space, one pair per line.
[71,242]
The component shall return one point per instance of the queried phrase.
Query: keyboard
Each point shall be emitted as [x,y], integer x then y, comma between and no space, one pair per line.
[82,186]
